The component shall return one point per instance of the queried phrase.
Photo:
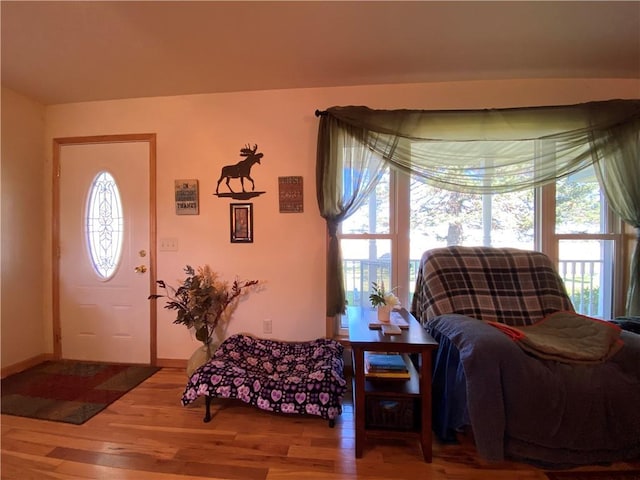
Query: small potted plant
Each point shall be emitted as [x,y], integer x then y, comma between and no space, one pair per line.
[383,301]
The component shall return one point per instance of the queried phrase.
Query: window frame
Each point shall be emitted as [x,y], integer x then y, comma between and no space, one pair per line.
[546,239]
[550,242]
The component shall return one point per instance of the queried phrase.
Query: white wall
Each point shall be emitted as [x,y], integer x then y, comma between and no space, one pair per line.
[198,134]
[23,219]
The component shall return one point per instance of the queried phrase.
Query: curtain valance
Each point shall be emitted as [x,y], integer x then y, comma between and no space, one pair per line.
[483,151]
[476,151]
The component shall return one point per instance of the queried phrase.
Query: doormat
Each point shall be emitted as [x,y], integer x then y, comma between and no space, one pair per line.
[596,475]
[69,391]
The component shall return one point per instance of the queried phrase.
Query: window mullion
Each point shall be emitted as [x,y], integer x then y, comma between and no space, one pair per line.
[402,211]
[545,214]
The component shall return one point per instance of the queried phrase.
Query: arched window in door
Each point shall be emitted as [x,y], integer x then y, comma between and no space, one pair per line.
[104,225]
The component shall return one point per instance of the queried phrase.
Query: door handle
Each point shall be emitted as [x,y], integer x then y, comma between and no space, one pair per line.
[140,269]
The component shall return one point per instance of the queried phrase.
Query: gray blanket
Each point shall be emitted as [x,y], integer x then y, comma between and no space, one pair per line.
[544,411]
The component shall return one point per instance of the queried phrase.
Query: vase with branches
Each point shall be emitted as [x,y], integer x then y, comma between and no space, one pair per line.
[203,301]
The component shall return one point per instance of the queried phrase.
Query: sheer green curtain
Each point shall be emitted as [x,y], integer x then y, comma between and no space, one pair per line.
[473,151]
[616,152]
[347,171]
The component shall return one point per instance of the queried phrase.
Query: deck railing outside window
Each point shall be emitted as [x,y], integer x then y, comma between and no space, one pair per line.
[581,278]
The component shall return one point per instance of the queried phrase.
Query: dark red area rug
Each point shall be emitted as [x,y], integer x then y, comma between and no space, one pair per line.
[69,391]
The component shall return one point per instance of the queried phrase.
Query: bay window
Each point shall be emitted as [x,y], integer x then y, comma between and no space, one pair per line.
[391,183]
[583,236]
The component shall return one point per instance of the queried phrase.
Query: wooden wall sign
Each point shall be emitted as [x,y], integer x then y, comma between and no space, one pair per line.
[290,194]
[187,197]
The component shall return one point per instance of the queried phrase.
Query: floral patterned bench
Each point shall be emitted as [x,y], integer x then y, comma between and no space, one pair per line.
[286,377]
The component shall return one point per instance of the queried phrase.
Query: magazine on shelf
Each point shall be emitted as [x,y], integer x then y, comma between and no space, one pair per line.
[385,362]
[387,375]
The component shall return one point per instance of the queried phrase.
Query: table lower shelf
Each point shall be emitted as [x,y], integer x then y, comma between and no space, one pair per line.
[391,413]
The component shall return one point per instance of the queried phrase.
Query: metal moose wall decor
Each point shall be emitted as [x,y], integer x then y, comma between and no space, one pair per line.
[242,171]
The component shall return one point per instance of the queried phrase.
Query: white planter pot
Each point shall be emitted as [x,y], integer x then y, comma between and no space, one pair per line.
[384,313]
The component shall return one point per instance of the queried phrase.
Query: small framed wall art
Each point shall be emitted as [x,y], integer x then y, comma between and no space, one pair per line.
[187,202]
[241,222]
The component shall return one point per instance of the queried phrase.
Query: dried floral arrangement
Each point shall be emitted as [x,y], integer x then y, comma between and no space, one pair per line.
[202,300]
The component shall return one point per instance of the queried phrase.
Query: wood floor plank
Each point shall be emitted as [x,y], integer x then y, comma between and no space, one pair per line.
[25,466]
[149,464]
[11,444]
[143,447]
[98,472]
[279,438]
[148,435]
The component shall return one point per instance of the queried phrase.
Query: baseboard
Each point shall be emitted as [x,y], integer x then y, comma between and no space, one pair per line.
[171,363]
[23,365]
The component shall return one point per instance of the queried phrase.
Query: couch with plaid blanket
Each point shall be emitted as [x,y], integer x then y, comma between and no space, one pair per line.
[520,406]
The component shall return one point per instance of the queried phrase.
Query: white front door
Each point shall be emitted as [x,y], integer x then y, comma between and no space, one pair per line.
[104,314]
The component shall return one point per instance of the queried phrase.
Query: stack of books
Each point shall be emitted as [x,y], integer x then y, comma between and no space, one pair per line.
[385,365]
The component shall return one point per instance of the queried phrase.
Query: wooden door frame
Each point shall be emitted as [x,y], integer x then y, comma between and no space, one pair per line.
[58,143]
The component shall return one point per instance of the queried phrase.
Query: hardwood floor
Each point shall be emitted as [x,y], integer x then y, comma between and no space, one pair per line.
[147,434]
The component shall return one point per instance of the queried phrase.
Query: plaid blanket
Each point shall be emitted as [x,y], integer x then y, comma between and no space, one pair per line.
[506,285]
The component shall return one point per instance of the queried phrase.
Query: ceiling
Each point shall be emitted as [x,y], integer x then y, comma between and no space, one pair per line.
[61,52]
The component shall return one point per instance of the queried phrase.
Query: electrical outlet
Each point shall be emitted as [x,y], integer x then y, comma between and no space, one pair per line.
[266,325]
[169,244]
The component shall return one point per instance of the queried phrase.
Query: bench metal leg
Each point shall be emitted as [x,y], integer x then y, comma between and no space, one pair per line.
[207,415]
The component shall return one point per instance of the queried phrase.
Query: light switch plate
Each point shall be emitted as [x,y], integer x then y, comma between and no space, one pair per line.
[169,244]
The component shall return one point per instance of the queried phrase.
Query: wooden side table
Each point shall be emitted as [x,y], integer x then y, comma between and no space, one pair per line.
[414,393]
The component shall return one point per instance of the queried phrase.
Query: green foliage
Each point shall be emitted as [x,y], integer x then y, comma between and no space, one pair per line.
[379,296]
[586,300]
[201,300]
[578,204]
[434,207]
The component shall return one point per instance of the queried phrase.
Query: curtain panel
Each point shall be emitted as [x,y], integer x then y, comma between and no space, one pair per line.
[475,151]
